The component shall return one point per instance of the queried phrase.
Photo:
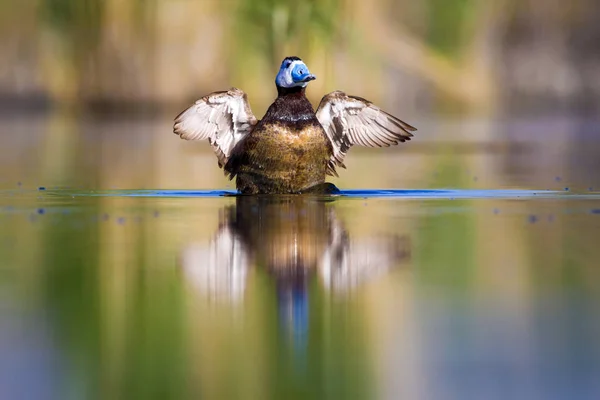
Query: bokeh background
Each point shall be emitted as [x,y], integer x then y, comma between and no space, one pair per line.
[113,297]
[412,56]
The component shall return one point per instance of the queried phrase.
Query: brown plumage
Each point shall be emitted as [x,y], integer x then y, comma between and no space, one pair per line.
[292,148]
[287,152]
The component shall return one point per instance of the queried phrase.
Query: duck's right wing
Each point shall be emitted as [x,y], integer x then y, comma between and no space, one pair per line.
[224,118]
[349,120]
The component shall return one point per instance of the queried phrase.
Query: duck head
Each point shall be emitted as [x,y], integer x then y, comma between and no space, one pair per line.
[293,73]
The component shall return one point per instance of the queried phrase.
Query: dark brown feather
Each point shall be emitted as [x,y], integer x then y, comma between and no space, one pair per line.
[286,152]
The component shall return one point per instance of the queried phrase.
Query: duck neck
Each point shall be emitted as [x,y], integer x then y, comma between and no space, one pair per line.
[296,90]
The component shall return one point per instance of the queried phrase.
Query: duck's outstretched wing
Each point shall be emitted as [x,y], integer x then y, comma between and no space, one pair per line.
[224,118]
[350,120]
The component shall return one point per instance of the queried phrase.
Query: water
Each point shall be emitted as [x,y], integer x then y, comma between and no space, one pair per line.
[462,265]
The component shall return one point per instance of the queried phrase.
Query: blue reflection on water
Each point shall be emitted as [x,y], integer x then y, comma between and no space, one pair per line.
[360,193]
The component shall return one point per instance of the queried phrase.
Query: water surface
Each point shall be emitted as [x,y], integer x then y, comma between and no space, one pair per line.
[462,265]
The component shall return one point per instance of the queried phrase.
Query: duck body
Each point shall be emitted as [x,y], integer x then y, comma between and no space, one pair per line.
[292,148]
[286,152]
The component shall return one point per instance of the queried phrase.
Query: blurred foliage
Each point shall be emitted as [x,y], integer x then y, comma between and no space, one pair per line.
[471,52]
[78,22]
[446,17]
[266,26]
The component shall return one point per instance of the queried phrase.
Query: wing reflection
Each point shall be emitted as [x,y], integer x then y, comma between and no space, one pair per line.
[218,270]
[347,263]
[295,238]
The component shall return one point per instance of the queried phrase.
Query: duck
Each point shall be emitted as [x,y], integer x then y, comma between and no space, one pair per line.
[293,148]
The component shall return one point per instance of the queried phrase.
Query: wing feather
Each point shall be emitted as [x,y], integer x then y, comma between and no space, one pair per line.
[222,118]
[349,120]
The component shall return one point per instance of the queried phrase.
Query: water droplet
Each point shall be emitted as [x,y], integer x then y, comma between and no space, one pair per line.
[557,179]
[595,211]
[41,211]
[42,188]
[533,219]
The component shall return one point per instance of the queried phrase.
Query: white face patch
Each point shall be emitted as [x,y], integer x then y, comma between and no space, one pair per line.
[284,77]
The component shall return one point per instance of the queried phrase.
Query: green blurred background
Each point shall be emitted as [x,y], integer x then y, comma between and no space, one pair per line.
[407,55]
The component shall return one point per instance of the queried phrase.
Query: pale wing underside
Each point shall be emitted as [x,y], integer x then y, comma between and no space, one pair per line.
[350,120]
[224,118]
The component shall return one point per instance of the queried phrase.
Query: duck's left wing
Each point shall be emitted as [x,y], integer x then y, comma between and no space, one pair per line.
[350,120]
[224,118]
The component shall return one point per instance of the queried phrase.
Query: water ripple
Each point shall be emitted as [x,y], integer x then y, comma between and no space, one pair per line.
[448,194]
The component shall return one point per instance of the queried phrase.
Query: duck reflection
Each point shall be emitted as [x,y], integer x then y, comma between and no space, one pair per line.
[295,238]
